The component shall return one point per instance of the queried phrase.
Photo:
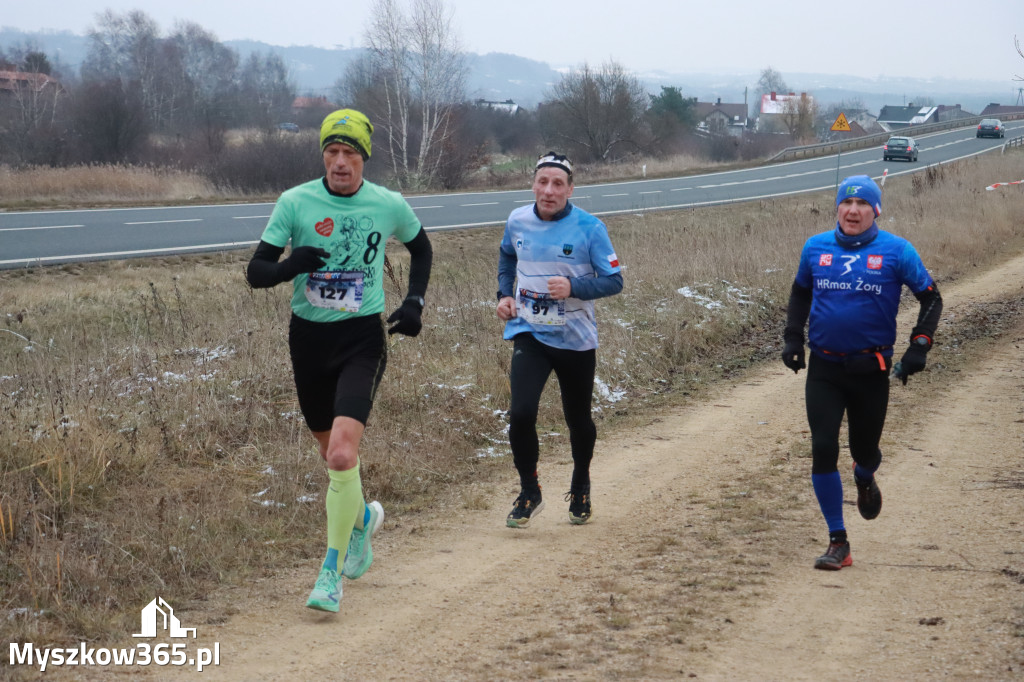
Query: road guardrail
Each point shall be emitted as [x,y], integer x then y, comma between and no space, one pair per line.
[875,139]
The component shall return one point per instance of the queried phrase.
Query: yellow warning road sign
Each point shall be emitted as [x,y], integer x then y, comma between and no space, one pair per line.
[841,125]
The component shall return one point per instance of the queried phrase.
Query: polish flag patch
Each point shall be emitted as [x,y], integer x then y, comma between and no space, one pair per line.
[874,262]
[613,260]
[825,259]
[325,227]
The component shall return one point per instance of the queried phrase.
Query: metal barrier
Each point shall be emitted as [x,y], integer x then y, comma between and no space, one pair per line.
[838,146]
[1013,142]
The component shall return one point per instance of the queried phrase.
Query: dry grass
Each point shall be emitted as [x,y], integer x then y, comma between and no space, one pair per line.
[106,185]
[153,443]
[99,185]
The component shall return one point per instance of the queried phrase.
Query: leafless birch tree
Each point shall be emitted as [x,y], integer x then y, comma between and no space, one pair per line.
[421,72]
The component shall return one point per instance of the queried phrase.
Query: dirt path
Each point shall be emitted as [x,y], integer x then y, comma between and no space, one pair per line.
[698,562]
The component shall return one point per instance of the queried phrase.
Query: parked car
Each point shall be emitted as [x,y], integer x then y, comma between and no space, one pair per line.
[288,127]
[991,127]
[900,148]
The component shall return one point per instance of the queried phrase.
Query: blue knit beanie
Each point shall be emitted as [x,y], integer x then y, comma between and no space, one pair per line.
[862,187]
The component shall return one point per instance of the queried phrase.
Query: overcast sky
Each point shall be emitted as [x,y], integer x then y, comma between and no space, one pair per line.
[868,38]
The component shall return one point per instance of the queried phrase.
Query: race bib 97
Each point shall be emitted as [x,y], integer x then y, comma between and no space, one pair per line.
[540,308]
[341,291]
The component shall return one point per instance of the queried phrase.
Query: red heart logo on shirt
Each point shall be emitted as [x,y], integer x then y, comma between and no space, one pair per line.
[326,227]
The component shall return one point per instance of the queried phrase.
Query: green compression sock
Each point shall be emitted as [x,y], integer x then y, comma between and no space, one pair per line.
[344,502]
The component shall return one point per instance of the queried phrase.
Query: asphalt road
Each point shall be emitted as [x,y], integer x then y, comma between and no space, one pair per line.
[51,237]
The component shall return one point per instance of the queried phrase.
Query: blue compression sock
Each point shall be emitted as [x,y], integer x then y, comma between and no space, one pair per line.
[331,560]
[862,473]
[828,488]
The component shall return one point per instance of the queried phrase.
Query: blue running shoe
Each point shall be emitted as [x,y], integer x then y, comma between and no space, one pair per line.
[360,554]
[326,594]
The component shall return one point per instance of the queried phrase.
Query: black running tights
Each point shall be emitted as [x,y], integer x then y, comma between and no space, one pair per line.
[864,398]
[532,364]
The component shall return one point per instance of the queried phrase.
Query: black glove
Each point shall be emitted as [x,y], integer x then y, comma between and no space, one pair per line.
[302,259]
[407,319]
[912,362]
[793,355]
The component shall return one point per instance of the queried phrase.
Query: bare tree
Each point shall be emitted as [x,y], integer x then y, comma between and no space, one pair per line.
[266,89]
[1020,51]
[798,115]
[209,69]
[419,73]
[127,48]
[769,82]
[595,115]
[110,123]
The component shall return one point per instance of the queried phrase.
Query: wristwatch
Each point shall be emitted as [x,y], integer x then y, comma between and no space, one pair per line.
[502,295]
[922,340]
[416,299]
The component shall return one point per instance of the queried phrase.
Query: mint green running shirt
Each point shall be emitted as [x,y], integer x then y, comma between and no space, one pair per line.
[353,230]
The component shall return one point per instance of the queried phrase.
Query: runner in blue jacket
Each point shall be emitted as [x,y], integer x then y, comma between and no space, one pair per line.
[848,288]
[554,260]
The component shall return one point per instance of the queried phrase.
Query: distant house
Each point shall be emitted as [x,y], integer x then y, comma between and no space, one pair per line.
[864,119]
[720,118]
[893,118]
[309,112]
[856,130]
[14,82]
[861,122]
[996,110]
[301,105]
[508,106]
[774,106]
[951,112]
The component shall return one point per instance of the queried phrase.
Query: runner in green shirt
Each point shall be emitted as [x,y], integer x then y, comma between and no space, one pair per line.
[337,226]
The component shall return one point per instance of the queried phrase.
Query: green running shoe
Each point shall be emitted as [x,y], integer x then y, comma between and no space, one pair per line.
[326,594]
[360,554]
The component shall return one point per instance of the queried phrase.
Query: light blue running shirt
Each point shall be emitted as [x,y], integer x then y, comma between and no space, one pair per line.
[576,246]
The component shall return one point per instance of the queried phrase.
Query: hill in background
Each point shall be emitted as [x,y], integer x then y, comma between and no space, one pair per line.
[499,77]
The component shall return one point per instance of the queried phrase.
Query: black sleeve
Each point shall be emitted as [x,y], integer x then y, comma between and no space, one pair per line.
[797,312]
[928,316]
[421,257]
[264,271]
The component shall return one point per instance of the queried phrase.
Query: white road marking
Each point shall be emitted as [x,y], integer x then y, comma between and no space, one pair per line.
[41,227]
[161,222]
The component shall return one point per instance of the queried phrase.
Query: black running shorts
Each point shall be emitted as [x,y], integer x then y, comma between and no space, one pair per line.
[337,366]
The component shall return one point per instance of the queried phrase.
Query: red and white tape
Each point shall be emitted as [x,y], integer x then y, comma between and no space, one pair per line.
[1003,184]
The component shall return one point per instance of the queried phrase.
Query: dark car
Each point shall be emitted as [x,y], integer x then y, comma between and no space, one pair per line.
[288,127]
[991,127]
[900,148]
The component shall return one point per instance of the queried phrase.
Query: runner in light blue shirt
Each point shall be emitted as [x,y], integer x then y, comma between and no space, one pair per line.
[554,260]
